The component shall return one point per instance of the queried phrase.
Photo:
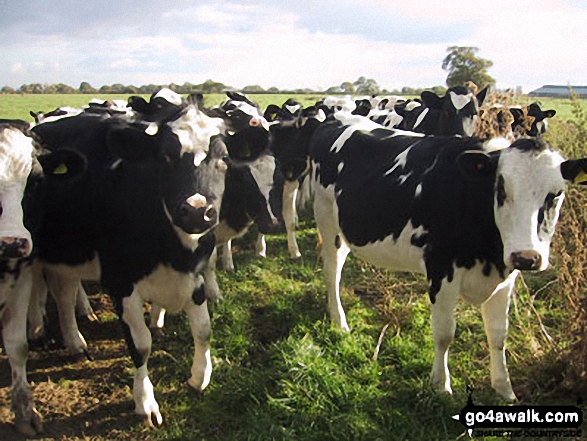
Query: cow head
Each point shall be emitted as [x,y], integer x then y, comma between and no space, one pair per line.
[531,121]
[289,111]
[455,113]
[20,175]
[164,105]
[290,143]
[159,152]
[529,191]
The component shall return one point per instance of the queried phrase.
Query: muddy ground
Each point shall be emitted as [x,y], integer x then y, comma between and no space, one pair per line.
[77,398]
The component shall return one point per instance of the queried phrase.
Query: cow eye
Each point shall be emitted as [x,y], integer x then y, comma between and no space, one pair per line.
[1,209]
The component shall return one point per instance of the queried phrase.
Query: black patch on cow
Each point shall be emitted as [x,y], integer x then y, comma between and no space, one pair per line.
[376,197]
[546,216]
[500,191]
[337,241]
[199,295]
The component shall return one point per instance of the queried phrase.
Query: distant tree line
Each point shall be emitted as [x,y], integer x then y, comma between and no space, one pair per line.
[363,86]
[461,63]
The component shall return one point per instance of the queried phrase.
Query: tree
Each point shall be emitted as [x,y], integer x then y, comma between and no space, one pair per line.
[366,86]
[463,65]
[347,87]
[255,88]
[86,87]
[7,89]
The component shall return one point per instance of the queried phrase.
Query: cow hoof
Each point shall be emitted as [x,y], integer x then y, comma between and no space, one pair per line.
[506,392]
[295,255]
[33,427]
[153,420]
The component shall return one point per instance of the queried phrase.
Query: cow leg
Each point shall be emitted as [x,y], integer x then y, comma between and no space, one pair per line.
[334,253]
[443,331]
[227,263]
[38,301]
[82,305]
[261,246]
[197,311]
[213,292]
[14,319]
[138,340]
[290,190]
[495,318]
[64,291]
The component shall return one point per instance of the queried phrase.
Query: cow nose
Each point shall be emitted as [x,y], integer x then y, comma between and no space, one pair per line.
[526,260]
[210,214]
[14,247]
[255,122]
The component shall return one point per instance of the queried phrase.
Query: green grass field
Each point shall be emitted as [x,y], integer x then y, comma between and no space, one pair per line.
[282,372]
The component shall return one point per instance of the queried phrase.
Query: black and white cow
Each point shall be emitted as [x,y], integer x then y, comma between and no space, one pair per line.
[539,123]
[466,215]
[452,114]
[21,188]
[138,220]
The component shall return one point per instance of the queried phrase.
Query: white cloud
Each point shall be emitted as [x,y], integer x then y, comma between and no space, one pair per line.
[124,63]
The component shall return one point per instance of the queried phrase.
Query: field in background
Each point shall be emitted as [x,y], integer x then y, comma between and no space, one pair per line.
[19,106]
[281,372]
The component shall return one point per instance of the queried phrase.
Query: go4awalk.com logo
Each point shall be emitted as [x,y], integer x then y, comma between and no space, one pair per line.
[520,421]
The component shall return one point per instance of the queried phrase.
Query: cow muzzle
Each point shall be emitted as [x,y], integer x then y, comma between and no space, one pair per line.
[196,216]
[14,248]
[526,260]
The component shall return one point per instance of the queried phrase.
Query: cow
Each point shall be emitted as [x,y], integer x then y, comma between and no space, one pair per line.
[468,213]
[452,114]
[138,220]
[538,123]
[22,182]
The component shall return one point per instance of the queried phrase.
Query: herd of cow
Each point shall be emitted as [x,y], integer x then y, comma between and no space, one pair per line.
[139,195]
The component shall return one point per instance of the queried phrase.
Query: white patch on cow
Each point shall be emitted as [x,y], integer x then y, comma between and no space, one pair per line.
[152,129]
[263,170]
[340,104]
[496,144]
[194,130]
[397,254]
[393,120]
[167,287]
[355,123]
[412,105]
[400,161]
[528,177]
[320,116]
[421,117]
[170,96]
[293,109]
[340,167]
[460,101]
[16,158]
[98,101]
[541,126]
[403,178]
[418,190]
[70,111]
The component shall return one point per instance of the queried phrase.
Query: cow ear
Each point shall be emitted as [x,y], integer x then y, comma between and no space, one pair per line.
[63,164]
[197,99]
[216,112]
[271,112]
[481,96]
[431,100]
[549,113]
[138,103]
[475,164]
[575,171]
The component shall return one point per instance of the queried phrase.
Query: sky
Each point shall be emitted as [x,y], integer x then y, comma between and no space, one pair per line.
[288,44]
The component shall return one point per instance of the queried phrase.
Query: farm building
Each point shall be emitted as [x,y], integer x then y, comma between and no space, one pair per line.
[559,91]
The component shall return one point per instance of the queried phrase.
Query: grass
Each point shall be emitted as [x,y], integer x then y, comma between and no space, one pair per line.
[282,372]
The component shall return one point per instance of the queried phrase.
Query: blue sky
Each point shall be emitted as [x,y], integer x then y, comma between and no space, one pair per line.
[298,44]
